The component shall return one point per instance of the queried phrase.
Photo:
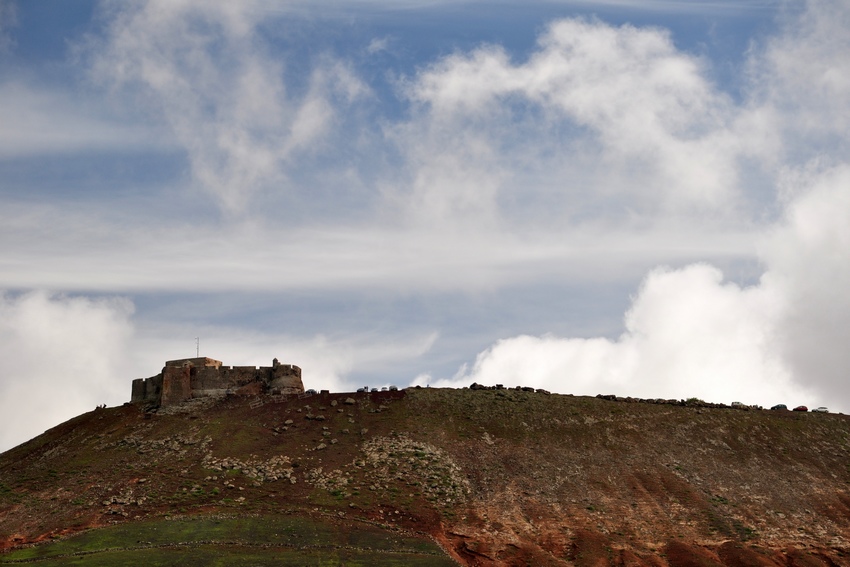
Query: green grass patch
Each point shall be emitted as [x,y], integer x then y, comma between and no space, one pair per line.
[234,541]
[249,557]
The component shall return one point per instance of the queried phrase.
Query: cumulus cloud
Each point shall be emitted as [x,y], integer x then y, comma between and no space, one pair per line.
[690,333]
[204,68]
[616,109]
[808,264]
[62,357]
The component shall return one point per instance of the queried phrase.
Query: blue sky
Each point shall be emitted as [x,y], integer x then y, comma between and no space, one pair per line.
[647,199]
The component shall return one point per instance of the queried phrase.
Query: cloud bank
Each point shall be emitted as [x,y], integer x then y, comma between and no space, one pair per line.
[62,357]
[689,332]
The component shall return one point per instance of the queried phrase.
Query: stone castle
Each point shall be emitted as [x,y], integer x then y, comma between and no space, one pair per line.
[188,378]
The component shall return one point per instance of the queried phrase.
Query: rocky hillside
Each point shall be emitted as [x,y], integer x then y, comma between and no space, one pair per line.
[433,477]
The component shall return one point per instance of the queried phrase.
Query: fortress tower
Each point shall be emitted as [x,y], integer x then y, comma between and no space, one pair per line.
[188,378]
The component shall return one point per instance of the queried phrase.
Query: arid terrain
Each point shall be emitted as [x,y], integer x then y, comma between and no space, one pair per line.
[432,477]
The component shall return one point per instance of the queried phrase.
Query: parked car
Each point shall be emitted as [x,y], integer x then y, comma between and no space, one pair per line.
[738,405]
[801,408]
[821,410]
[779,407]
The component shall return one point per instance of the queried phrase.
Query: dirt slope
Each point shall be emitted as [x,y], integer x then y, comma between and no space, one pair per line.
[496,477]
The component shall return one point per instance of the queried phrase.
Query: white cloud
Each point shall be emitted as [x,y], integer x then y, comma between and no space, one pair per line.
[804,73]
[205,70]
[596,115]
[62,357]
[807,258]
[378,45]
[72,249]
[688,333]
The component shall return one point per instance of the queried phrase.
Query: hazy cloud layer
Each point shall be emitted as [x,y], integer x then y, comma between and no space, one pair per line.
[36,121]
[67,248]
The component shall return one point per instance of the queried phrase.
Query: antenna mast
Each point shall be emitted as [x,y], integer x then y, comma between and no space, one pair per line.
[197,347]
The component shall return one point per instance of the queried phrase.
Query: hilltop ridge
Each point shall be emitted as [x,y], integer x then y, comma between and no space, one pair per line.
[494,477]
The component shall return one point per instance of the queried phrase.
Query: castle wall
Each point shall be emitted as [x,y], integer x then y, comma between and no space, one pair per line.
[286,379]
[176,385]
[138,393]
[147,390]
[217,381]
[188,378]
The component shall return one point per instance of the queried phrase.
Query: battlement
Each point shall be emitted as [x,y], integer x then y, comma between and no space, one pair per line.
[201,362]
[188,378]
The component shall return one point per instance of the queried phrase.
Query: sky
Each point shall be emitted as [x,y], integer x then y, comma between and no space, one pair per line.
[646,199]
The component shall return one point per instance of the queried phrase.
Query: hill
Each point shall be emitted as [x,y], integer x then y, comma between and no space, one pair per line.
[431,477]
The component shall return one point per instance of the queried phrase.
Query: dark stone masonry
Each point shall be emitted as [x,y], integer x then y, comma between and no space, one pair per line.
[188,378]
